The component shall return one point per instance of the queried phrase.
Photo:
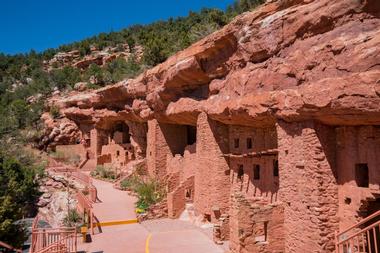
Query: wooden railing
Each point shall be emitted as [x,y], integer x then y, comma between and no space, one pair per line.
[85,206]
[45,238]
[9,247]
[359,239]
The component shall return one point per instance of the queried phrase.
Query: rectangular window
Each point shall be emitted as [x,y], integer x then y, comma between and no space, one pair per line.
[361,175]
[275,168]
[240,173]
[249,143]
[256,172]
[236,143]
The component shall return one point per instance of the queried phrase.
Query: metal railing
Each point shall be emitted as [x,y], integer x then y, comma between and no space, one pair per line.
[358,239]
[67,244]
[87,181]
[44,238]
[9,247]
[85,206]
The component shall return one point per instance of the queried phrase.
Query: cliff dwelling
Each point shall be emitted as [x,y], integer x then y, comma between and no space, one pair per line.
[269,129]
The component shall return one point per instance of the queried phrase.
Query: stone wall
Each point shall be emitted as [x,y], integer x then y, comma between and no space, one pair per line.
[308,186]
[177,198]
[120,154]
[164,140]
[256,228]
[253,161]
[357,147]
[266,186]
[261,139]
[212,180]
[138,133]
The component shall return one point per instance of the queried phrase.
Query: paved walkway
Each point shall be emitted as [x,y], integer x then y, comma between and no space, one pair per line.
[157,236]
[176,236]
[114,205]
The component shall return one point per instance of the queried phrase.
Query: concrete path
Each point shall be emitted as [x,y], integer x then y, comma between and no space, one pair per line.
[114,205]
[174,236]
[157,236]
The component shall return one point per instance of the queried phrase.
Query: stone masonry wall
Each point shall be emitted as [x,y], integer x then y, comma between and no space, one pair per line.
[212,186]
[163,140]
[245,143]
[138,138]
[308,186]
[266,187]
[177,198]
[256,228]
[357,145]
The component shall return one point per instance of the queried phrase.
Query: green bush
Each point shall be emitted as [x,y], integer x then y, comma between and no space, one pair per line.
[54,112]
[18,195]
[131,183]
[148,191]
[72,219]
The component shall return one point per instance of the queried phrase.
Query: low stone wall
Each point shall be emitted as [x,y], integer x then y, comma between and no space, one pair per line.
[256,227]
[177,198]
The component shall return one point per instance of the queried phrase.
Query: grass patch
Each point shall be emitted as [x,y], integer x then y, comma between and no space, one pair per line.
[103,172]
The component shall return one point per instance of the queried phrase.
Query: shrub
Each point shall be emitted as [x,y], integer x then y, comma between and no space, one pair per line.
[72,218]
[130,183]
[104,172]
[149,193]
[54,112]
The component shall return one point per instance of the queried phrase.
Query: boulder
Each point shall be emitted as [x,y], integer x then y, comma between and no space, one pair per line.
[81,86]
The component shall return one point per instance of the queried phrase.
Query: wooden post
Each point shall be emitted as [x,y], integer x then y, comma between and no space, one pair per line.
[91,223]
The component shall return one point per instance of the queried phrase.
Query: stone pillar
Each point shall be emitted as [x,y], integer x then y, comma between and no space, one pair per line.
[308,186]
[94,143]
[156,161]
[212,183]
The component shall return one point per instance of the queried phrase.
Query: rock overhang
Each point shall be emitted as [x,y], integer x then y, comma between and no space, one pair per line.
[288,60]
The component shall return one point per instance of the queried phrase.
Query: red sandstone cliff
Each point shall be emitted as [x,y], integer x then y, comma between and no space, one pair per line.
[292,60]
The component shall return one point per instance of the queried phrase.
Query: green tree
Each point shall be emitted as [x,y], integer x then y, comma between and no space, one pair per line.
[66,77]
[18,193]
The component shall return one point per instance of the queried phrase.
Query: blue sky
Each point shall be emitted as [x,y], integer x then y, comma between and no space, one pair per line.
[42,24]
